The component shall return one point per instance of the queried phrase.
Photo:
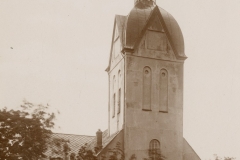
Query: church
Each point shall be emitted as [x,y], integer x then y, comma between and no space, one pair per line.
[145,74]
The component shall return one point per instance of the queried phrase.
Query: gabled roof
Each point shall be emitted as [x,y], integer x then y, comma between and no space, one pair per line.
[174,33]
[74,142]
[132,27]
[139,18]
[108,139]
[120,23]
[93,143]
[105,140]
[136,21]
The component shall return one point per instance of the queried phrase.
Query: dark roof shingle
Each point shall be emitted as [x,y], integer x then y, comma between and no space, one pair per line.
[105,140]
[73,141]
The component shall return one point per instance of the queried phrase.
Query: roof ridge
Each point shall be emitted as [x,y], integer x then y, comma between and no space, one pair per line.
[72,134]
[111,139]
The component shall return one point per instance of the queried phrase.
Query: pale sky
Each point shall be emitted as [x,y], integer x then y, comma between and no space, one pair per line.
[56,52]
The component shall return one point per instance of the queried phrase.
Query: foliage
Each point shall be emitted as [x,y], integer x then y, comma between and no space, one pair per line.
[225,158]
[133,157]
[155,154]
[24,133]
[72,156]
[86,154]
[59,147]
[66,148]
[116,153]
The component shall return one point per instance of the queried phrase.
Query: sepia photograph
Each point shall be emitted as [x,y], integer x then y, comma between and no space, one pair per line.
[119,80]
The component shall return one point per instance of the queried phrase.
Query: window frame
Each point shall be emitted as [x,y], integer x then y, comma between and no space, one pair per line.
[154,149]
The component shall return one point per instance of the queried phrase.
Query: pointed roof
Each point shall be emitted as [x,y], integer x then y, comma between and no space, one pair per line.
[138,18]
[132,27]
[137,21]
[120,23]
[174,33]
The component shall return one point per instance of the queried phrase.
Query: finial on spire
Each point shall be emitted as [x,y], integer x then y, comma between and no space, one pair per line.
[152,2]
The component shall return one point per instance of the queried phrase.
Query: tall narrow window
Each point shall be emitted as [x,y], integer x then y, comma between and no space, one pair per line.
[114,96]
[119,100]
[114,102]
[113,84]
[119,92]
[119,79]
[147,84]
[154,150]
[163,95]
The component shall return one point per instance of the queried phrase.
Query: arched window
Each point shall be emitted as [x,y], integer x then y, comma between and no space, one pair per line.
[113,84]
[163,95]
[119,100]
[147,85]
[119,79]
[119,92]
[114,96]
[114,102]
[154,150]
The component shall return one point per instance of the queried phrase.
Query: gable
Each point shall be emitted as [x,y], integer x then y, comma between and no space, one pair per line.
[154,42]
[117,41]
[116,51]
[115,55]
[156,25]
[156,38]
[116,34]
[137,23]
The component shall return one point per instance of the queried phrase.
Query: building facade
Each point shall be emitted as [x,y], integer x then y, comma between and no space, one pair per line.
[145,71]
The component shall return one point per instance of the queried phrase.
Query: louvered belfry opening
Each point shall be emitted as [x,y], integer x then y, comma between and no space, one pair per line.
[148,2]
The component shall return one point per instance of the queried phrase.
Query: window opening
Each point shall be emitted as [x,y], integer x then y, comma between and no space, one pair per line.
[154,149]
[147,84]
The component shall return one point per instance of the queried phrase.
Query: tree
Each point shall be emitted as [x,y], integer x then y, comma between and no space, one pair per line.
[155,154]
[116,153]
[86,154]
[24,133]
[59,147]
[225,158]
[72,156]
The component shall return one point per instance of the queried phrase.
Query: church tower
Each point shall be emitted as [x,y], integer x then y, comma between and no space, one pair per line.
[146,83]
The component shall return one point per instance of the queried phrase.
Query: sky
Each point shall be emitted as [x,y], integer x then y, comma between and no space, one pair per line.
[56,51]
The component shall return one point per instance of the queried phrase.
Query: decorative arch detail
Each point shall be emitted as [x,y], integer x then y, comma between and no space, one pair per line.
[163,95]
[114,96]
[119,91]
[147,86]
